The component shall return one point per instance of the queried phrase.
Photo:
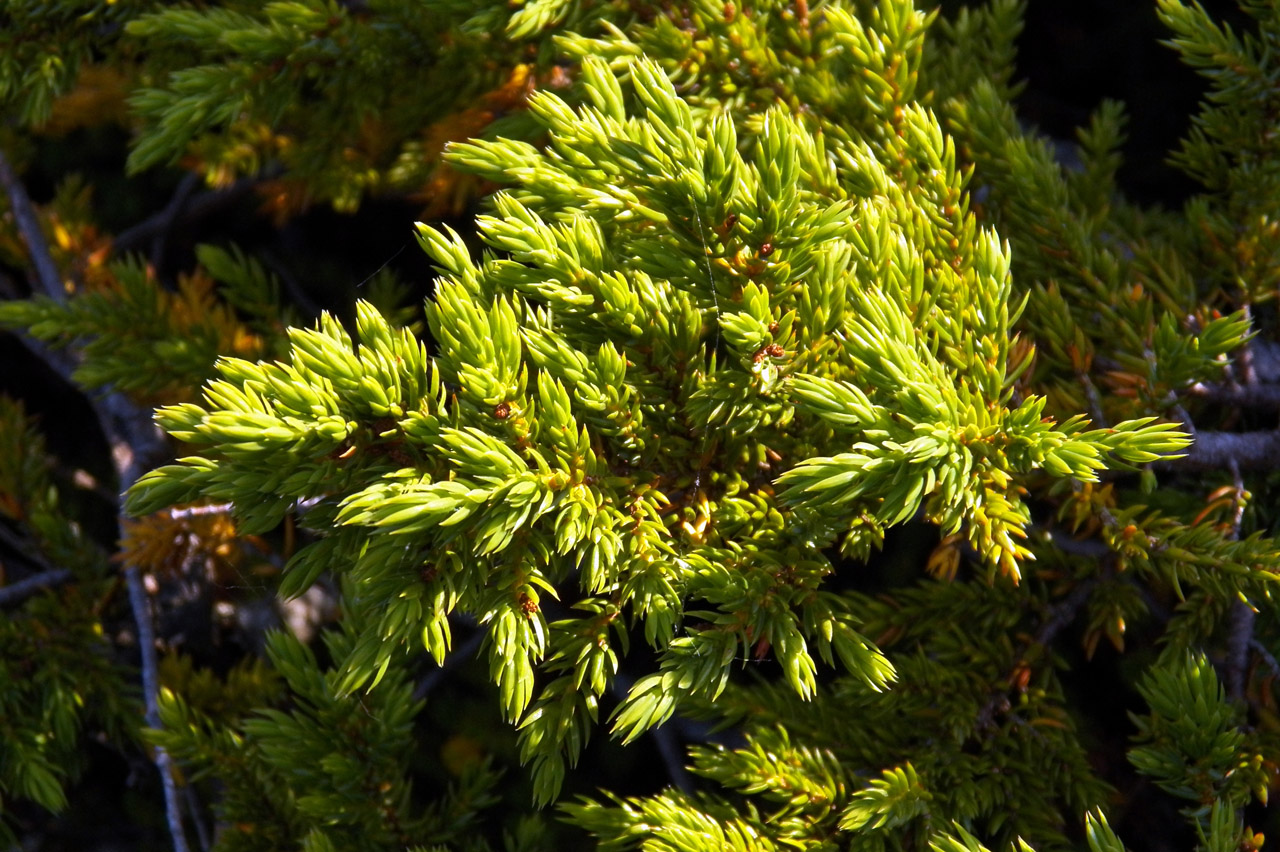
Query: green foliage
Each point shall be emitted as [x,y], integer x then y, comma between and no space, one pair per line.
[337,94]
[43,45]
[140,338]
[57,678]
[787,381]
[329,772]
[502,485]
[1191,743]
[57,672]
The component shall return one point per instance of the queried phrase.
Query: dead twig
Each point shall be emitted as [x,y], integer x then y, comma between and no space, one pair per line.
[150,686]
[24,214]
[171,213]
[16,593]
[192,210]
[1218,450]
[1241,396]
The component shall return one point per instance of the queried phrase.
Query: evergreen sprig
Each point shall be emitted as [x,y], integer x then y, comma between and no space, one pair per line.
[556,446]
[140,338]
[43,47]
[326,772]
[1191,743]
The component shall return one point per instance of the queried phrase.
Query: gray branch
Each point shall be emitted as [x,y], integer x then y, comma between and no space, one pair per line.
[29,226]
[1219,450]
[14,594]
[181,214]
[1242,396]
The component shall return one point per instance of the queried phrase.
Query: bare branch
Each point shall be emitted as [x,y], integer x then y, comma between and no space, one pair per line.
[182,215]
[1266,656]
[150,685]
[16,593]
[1057,617]
[1241,396]
[1239,640]
[171,212]
[193,805]
[1264,361]
[29,226]
[1064,612]
[1242,614]
[1218,450]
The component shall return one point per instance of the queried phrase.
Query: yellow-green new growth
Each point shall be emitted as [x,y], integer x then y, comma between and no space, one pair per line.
[691,362]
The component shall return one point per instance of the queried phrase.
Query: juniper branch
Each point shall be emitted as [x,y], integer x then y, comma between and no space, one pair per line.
[1266,656]
[1059,616]
[1239,641]
[1242,614]
[193,805]
[150,686]
[1065,611]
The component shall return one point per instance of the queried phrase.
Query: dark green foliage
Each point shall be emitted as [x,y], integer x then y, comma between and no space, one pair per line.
[328,773]
[59,672]
[43,46]
[1191,743]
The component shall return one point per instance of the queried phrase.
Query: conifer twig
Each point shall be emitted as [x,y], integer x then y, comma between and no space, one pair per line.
[24,548]
[1266,656]
[193,805]
[1059,616]
[133,440]
[1065,611]
[1240,634]
[1258,382]
[150,685]
[1239,641]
